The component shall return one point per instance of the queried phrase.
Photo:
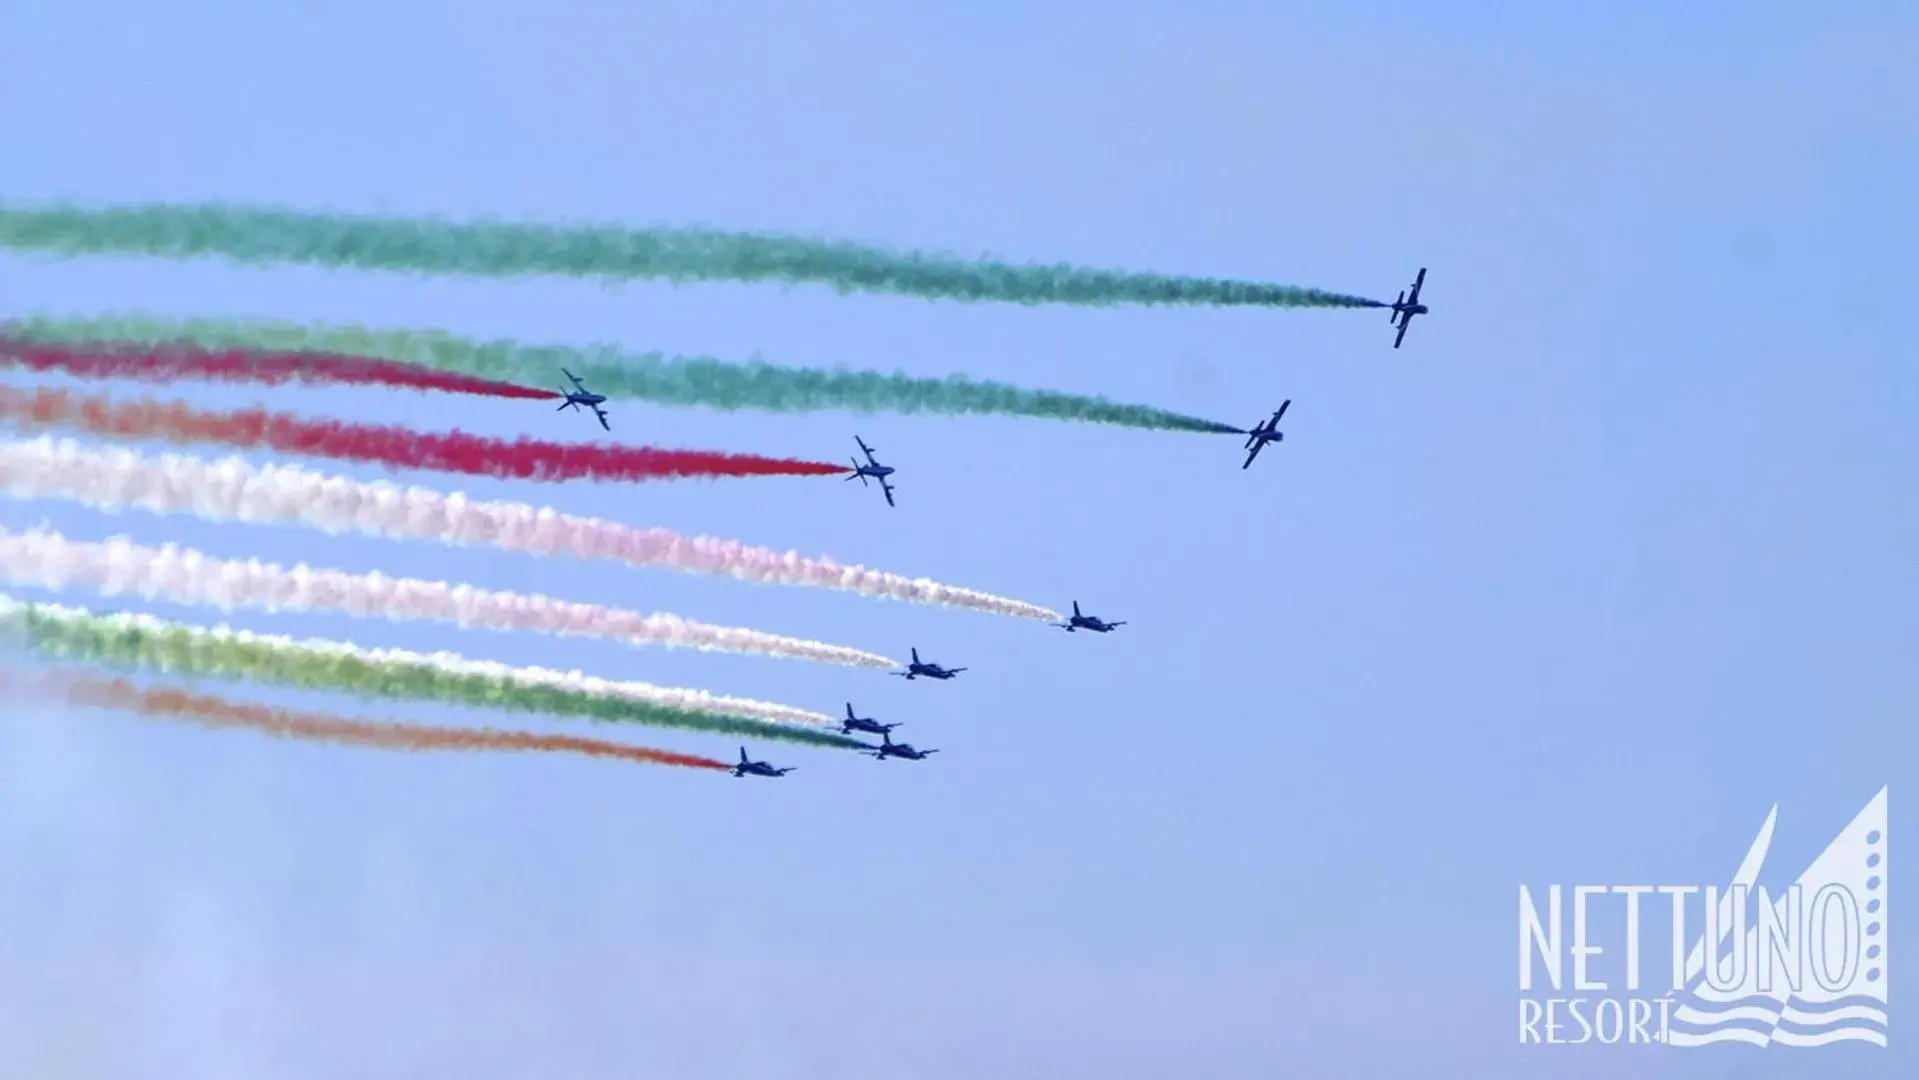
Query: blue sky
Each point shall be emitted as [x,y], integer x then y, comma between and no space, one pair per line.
[1612,557]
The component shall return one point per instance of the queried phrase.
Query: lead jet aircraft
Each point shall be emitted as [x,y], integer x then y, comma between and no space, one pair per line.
[1408,306]
[931,671]
[1089,622]
[860,723]
[888,748]
[580,395]
[1266,431]
[873,469]
[757,768]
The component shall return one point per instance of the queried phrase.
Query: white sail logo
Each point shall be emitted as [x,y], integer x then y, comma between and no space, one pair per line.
[1804,965]
[1827,986]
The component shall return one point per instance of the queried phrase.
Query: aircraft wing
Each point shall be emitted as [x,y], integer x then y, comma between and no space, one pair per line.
[888,489]
[867,450]
[1417,282]
[1249,457]
[575,380]
[601,413]
[1404,322]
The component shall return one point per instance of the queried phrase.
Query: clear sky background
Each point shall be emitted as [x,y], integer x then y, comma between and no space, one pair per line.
[1614,555]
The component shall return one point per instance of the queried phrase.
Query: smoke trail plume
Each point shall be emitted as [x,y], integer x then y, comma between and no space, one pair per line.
[389,445]
[700,381]
[82,691]
[498,249]
[143,643]
[47,560]
[181,363]
[234,490]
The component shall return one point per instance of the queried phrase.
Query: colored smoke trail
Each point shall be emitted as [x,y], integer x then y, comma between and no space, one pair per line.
[234,490]
[143,643]
[698,381]
[47,560]
[392,446]
[82,691]
[178,363]
[499,249]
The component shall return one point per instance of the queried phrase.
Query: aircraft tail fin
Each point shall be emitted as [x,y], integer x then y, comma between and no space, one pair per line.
[742,755]
[1396,303]
[916,654]
[1076,607]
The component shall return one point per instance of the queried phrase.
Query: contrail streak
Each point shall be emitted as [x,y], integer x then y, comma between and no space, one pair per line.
[391,446]
[144,643]
[82,691]
[260,235]
[179,363]
[681,380]
[45,559]
[234,490]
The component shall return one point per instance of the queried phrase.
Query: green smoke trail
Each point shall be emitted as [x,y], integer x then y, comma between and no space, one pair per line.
[498,249]
[142,643]
[648,376]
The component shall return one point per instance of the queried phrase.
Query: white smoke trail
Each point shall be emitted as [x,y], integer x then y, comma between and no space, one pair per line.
[48,560]
[13,614]
[234,490]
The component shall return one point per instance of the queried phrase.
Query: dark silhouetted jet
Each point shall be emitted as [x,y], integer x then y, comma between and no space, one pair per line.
[756,768]
[888,748]
[860,723]
[1408,306]
[1089,622]
[873,469]
[932,671]
[580,395]
[1267,431]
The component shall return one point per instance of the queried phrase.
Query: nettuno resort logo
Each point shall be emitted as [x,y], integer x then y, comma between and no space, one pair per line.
[1797,965]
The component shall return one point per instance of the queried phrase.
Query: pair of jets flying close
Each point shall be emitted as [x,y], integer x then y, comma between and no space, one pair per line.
[1266,431]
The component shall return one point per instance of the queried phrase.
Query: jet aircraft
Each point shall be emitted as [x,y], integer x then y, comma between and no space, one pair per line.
[1408,306]
[580,395]
[860,723]
[888,748]
[1266,431]
[873,469]
[757,768]
[1089,622]
[931,671]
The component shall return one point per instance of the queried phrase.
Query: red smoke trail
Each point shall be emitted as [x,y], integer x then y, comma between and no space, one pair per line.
[394,447]
[209,711]
[175,363]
